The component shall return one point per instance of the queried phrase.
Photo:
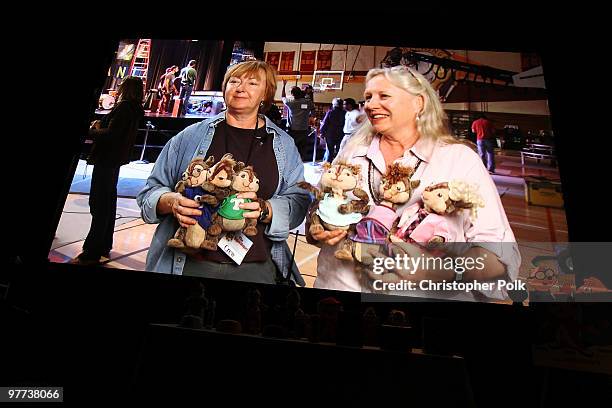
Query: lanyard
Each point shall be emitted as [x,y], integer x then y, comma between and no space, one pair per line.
[250,146]
[371,178]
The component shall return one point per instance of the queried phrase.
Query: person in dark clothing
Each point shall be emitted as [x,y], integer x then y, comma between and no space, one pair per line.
[188,78]
[274,115]
[332,128]
[309,92]
[299,111]
[114,136]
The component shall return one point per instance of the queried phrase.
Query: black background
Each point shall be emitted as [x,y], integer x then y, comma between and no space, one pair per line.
[84,327]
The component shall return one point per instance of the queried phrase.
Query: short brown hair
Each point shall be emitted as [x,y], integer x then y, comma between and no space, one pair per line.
[248,67]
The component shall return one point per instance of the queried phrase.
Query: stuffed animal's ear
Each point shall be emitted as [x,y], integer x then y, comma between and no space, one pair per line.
[326,165]
[355,168]
[415,183]
[229,161]
[239,166]
[210,161]
[228,158]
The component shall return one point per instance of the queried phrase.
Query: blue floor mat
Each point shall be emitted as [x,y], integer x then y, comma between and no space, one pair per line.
[127,187]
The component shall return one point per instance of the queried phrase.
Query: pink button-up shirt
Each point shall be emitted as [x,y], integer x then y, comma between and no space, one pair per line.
[439,162]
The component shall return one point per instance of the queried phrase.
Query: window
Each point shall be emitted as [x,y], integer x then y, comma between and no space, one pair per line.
[324,60]
[286,61]
[273,58]
[307,63]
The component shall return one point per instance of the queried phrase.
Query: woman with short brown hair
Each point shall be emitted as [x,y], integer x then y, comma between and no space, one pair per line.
[278,206]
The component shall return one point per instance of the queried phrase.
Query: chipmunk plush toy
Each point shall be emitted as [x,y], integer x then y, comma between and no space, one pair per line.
[230,217]
[191,187]
[218,184]
[373,231]
[429,224]
[333,209]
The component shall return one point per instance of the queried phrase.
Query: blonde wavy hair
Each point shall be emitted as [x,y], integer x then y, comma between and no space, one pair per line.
[466,195]
[432,123]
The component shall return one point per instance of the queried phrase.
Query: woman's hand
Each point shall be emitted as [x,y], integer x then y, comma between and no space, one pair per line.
[183,209]
[253,206]
[329,237]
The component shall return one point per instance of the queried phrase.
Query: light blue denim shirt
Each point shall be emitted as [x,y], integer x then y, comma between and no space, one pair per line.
[289,202]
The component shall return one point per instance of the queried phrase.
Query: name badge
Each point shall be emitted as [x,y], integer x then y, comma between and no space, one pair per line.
[235,248]
[304,106]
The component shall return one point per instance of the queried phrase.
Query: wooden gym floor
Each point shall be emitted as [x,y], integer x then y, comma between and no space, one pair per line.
[536,228]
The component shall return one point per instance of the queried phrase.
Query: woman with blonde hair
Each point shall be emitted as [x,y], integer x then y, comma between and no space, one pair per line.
[406,123]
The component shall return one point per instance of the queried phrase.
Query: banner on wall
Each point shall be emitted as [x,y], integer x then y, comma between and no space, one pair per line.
[125,54]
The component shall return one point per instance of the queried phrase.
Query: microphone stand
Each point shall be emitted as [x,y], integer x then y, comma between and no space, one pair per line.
[144,145]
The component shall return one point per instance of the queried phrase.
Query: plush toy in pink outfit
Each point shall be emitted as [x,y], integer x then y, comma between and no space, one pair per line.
[429,224]
[372,233]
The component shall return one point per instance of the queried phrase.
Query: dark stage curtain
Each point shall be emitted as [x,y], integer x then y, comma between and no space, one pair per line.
[211,57]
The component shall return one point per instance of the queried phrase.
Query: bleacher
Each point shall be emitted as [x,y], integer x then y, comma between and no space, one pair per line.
[539,152]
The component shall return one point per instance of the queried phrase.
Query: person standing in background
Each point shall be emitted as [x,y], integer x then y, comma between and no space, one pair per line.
[352,120]
[113,136]
[299,111]
[332,128]
[188,77]
[309,92]
[274,115]
[167,89]
[485,139]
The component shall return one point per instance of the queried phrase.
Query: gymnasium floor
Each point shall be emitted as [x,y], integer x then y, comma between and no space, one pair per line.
[536,228]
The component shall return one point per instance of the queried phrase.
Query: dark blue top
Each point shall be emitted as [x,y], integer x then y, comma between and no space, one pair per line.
[205,220]
[333,124]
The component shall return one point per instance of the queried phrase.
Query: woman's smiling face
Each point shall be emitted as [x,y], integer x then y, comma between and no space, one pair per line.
[390,108]
[244,94]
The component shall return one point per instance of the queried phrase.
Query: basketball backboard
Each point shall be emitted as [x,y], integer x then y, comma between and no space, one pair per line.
[327,80]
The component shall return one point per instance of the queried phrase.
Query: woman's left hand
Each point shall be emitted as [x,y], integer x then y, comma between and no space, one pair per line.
[253,206]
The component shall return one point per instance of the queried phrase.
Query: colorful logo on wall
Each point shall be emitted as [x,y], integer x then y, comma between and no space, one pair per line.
[126,51]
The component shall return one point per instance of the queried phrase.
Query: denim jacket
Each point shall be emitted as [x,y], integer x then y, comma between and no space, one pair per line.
[289,203]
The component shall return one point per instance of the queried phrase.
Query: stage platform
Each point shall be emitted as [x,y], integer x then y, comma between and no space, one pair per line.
[162,121]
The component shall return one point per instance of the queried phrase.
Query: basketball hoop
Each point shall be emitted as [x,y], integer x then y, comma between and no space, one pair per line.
[327,80]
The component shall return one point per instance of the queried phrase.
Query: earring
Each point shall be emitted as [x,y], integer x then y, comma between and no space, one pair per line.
[261,103]
[418,117]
